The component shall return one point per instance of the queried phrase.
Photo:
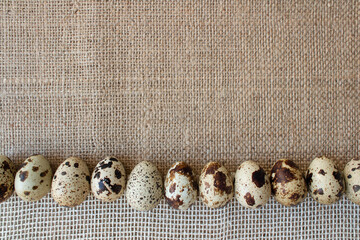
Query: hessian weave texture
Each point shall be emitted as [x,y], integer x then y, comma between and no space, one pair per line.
[166,81]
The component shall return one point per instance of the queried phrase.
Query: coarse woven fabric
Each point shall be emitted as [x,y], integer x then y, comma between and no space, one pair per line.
[179,80]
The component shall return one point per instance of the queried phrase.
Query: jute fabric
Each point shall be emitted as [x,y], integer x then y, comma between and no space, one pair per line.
[166,81]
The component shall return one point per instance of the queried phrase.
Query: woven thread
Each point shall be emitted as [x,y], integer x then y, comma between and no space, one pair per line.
[179,80]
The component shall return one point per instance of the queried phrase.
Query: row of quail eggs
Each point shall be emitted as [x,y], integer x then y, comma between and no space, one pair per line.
[252,186]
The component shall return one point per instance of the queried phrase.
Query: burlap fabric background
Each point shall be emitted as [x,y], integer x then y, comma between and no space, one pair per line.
[179,80]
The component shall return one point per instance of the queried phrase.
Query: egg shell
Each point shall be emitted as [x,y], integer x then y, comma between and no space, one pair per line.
[71,182]
[252,185]
[352,180]
[33,179]
[145,187]
[7,176]
[287,183]
[180,186]
[215,185]
[325,181]
[108,179]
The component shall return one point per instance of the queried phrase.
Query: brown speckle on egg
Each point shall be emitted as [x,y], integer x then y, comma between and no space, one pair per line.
[172,188]
[43,174]
[212,167]
[258,177]
[282,175]
[356,188]
[3,191]
[23,175]
[97,175]
[294,196]
[5,165]
[118,173]
[220,183]
[174,202]
[116,188]
[180,168]
[249,199]
[319,191]
[101,187]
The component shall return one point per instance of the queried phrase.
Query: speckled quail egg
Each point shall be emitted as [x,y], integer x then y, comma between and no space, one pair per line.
[71,182]
[352,180]
[145,187]
[180,186]
[33,180]
[108,179]
[325,181]
[287,183]
[215,185]
[252,185]
[7,175]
